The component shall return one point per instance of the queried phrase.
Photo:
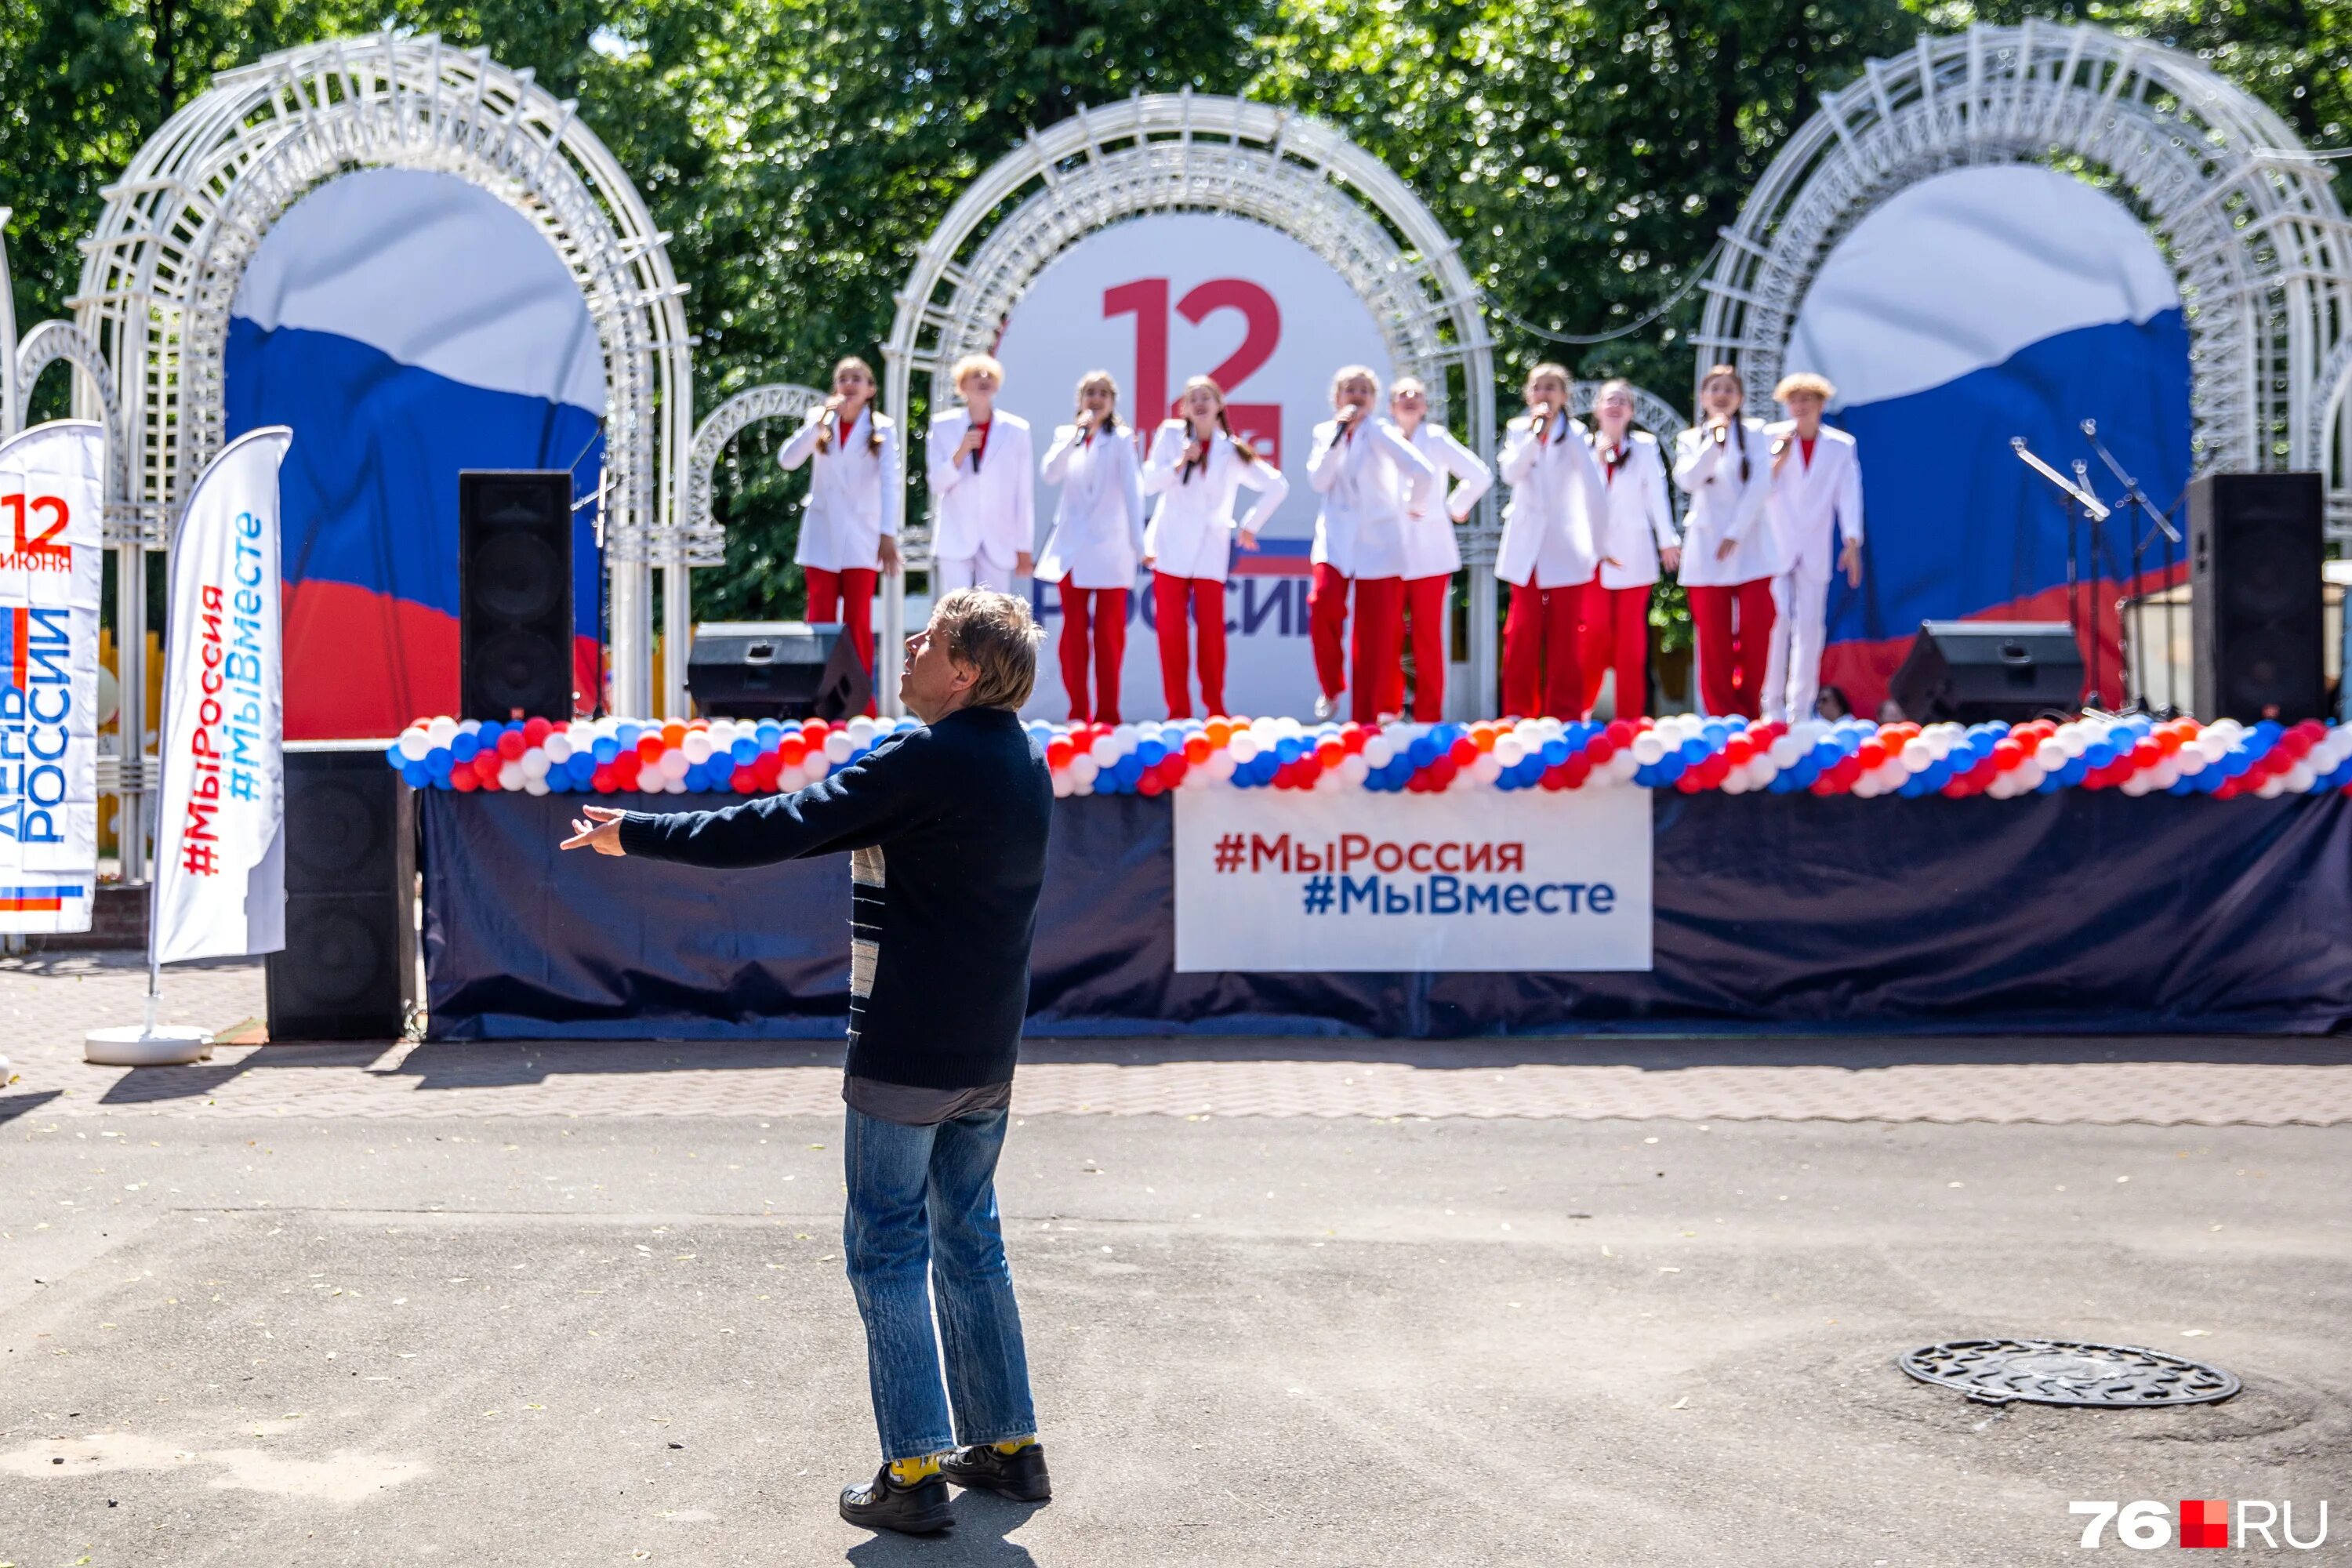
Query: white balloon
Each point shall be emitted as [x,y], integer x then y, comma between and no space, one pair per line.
[792,778]
[1648,748]
[815,766]
[1377,753]
[534,783]
[413,744]
[1355,768]
[1510,752]
[558,748]
[1621,766]
[2300,778]
[510,775]
[1486,769]
[695,748]
[1785,750]
[533,763]
[1083,768]
[837,746]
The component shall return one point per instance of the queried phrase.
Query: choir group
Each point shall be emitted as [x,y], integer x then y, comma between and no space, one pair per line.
[1775,509]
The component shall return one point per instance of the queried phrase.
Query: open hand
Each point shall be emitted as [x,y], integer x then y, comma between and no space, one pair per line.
[1249,539]
[888,553]
[1672,555]
[1850,558]
[1024,564]
[601,831]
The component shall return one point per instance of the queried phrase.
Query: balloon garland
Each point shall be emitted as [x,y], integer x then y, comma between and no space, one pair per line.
[2134,753]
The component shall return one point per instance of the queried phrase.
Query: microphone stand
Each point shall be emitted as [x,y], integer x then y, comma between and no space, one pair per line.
[2077,502]
[2136,500]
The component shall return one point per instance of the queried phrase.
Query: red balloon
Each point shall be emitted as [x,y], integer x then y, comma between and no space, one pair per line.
[1619,733]
[1556,776]
[1464,753]
[650,749]
[1739,750]
[602,780]
[1197,749]
[511,745]
[1058,752]
[1869,754]
[743,781]
[1441,772]
[2007,755]
[1690,783]
[1600,750]
[1172,768]
[464,780]
[1150,784]
[536,731]
[1576,769]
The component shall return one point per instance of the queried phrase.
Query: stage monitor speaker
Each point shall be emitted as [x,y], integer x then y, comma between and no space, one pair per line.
[1974,672]
[775,669]
[2255,606]
[349,968]
[514,594]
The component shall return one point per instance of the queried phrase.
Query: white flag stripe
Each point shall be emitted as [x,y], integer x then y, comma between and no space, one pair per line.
[52,496]
[220,874]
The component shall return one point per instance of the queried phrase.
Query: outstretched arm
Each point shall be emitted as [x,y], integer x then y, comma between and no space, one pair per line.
[853,809]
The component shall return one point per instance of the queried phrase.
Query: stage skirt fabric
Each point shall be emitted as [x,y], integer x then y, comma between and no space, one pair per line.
[2074,912]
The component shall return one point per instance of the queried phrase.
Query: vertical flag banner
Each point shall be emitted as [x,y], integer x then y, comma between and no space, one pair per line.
[220,861]
[52,493]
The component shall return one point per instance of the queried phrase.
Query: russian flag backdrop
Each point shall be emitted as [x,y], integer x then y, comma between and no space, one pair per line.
[1979,305]
[407,324]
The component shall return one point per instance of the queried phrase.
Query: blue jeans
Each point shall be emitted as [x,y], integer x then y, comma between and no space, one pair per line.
[920,1228]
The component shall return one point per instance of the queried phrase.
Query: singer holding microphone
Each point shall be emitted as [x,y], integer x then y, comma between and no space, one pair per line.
[1638,533]
[1730,550]
[1432,554]
[983,480]
[849,529]
[1197,466]
[1097,541]
[1370,478]
[1546,553]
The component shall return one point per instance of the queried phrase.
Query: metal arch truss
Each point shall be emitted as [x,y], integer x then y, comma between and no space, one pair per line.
[706,540]
[2243,216]
[55,342]
[198,198]
[1188,153]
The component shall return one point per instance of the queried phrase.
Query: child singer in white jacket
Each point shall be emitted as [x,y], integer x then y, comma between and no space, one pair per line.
[1197,465]
[1097,544]
[849,529]
[1816,500]
[1370,478]
[1640,529]
[1432,554]
[1548,554]
[983,480]
[1730,551]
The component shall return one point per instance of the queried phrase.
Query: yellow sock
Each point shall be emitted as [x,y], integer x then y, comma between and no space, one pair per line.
[907,1472]
[1014,1445]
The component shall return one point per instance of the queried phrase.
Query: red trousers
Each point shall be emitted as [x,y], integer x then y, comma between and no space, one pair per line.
[1425,602]
[1326,626]
[1094,620]
[1732,653]
[1205,596]
[1375,653]
[1617,637]
[847,596]
[1542,674]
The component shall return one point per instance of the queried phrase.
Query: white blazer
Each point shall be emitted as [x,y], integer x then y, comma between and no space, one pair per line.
[1193,527]
[1641,518]
[1814,502]
[1369,484]
[1557,496]
[991,511]
[1723,507]
[1098,535]
[852,504]
[1431,549]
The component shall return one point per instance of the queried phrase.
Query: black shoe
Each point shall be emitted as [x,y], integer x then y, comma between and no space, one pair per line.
[883,1504]
[1019,1476]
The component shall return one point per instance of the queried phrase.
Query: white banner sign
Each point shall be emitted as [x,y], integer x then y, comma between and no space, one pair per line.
[1348,880]
[220,867]
[51,500]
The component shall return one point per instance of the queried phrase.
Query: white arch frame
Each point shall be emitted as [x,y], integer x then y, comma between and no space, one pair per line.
[2244,217]
[706,538]
[198,198]
[13,388]
[1195,152]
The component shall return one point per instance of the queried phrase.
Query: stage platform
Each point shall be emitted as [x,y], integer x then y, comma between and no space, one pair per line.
[2077,911]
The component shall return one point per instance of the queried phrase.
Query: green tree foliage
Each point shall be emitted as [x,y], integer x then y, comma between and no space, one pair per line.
[799,150]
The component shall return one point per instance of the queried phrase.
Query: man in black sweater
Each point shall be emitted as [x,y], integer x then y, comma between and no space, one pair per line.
[945,827]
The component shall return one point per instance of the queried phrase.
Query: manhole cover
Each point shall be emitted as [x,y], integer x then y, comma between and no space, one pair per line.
[2066,1372]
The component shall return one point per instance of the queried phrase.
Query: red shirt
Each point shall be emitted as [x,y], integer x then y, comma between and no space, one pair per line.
[981,450]
[1805,448]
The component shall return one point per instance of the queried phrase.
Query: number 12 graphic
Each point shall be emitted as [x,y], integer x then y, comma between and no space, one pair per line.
[1146,300]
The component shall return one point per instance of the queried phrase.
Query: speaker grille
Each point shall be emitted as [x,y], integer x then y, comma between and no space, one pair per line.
[347,970]
[2254,562]
[515,631]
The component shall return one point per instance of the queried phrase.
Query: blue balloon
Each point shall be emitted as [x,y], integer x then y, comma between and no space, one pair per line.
[463,748]
[1695,750]
[744,751]
[415,774]
[605,749]
[1422,752]
[1711,734]
[1671,767]
[393,755]
[1151,752]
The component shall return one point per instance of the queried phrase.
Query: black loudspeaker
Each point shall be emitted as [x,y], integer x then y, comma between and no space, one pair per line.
[2255,604]
[349,968]
[775,669]
[1973,672]
[514,594]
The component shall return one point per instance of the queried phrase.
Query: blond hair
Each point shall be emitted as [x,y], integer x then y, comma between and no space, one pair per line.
[970,362]
[1347,373]
[1242,449]
[1600,396]
[1109,384]
[1803,381]
[993,634]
